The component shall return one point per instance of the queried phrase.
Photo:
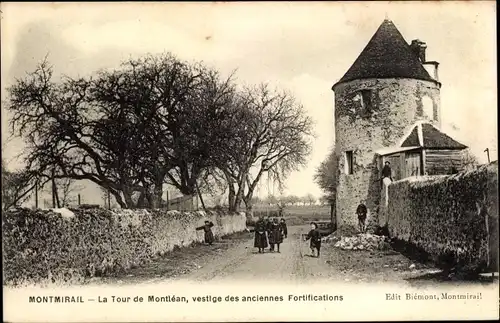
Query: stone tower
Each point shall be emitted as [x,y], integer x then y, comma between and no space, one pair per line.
[387,89]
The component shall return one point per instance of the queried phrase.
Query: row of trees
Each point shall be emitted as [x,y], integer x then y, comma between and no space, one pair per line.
[157,120]
[290,200]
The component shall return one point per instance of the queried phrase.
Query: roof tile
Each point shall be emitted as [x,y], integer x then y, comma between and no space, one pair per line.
[387,55]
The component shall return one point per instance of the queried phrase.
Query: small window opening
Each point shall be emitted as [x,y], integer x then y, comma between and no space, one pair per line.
[366,100]
[349,162]
[428,108]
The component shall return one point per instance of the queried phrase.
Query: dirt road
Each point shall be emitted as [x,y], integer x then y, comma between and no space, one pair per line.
[244,262]
[235,258]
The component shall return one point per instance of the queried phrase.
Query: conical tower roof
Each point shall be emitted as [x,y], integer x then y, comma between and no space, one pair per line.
[387,55]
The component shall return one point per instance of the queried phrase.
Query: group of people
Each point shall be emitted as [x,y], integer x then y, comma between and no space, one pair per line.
[270,233]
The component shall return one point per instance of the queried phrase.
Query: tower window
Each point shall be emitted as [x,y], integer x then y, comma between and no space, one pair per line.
[366,100]
[428,108]
[349,162]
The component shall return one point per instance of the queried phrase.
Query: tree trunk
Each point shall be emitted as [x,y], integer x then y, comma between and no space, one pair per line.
[249,208]
[149,199]
[231,195]
[157,197]
[241,192]
[201,198]
[129,202]
[141,200]
[55,197]
[159,194]
[118,199]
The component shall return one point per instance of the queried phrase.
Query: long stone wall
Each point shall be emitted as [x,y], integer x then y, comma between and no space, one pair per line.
[49,247]
[453,218]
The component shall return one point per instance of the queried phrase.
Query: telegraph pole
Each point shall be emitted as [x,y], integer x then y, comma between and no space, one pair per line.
[487,151]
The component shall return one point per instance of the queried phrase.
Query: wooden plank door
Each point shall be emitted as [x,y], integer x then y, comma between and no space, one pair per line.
[413,165]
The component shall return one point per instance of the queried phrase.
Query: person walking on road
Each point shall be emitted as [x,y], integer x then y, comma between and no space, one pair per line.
[361,212]
[275,235]
[284,228]
[315,237]
[260,240]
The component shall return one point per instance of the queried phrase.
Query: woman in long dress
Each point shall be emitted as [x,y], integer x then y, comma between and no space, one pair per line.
[260,235]
[275,235]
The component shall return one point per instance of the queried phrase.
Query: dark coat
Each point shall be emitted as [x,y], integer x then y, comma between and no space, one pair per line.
[209,236]
[275,233]
[268,224]
[260,240]
[315,238]
[386,172]
[361,211]
[284,229]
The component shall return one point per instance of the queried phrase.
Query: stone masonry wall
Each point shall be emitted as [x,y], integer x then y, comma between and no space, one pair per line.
[453,218]
[396,105]
[45,247]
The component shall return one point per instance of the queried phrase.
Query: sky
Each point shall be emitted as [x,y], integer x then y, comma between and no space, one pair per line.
[300,47]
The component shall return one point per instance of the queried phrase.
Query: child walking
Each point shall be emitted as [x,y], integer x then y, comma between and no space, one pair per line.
[275,235]
[209,236]
[284,228]
[315,238]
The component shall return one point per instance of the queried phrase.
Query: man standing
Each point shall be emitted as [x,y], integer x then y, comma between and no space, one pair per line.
[386,180]
[386,171]
[361,213]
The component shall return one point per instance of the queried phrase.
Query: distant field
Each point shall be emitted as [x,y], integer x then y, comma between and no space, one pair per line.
[297,214]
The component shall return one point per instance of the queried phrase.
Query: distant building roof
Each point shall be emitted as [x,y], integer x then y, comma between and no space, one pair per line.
[423,135]
[387,55]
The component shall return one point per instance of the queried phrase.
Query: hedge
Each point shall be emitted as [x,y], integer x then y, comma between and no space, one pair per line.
[45,247]
[453,218]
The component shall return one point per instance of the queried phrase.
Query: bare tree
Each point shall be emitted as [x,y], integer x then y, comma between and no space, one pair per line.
[17,186]
[272,200]
[60,127]
[469,160]
[326,176]
[303,200]
[68,191]
[153,120]
[274,138]
[311,199]
[324,200]
[293,199]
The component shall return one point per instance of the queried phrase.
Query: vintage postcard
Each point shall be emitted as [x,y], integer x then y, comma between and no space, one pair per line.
[249,161]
